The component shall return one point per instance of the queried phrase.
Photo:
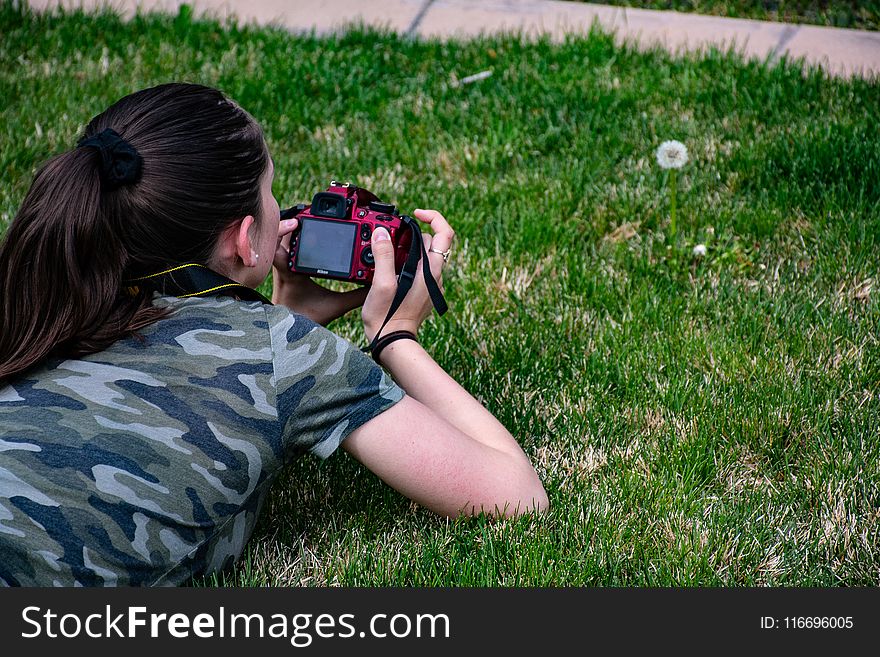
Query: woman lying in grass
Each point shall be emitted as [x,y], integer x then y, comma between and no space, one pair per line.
[141,430]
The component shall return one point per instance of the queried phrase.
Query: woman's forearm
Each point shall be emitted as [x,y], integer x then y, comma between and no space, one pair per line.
[317,303]
[423,379]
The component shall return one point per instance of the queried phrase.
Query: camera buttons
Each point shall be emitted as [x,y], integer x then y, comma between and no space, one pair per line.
[362,214]
[367,256]
[360,273]
[365,232]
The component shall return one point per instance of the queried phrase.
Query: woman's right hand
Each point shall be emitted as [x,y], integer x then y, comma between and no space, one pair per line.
[416,306]
[438,445]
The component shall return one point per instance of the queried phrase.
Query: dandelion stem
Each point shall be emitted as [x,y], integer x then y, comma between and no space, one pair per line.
[673,188]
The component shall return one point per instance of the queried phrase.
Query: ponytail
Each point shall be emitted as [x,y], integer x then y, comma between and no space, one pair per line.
[113,209]
[61,267]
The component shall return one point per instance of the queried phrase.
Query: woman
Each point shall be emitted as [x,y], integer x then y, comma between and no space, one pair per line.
[139,430]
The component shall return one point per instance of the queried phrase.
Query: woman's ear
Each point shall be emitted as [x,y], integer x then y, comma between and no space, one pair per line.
[235,249]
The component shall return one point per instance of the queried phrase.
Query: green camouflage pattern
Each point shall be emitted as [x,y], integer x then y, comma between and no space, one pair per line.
[148,463]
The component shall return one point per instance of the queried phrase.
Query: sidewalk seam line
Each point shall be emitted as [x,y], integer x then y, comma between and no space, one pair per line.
[788,33]
[418,18]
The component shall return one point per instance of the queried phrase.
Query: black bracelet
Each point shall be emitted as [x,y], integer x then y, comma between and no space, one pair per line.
[386,340]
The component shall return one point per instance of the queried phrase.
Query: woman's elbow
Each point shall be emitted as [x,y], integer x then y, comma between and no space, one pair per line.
[532,496]
[528,497]
[541,501]
[534,500]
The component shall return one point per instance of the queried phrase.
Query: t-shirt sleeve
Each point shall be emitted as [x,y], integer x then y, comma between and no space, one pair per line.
[326,387]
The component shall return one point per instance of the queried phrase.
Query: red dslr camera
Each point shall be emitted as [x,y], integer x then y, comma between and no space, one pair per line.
[332,239]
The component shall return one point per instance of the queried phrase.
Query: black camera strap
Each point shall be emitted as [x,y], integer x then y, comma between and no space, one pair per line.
[408,274]
[194,280]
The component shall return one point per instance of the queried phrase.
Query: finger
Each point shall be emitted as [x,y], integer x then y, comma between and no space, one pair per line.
[383,255]
[443,233]
[435,260]
[285,229]
[282,250]
[287,226]
[428,216]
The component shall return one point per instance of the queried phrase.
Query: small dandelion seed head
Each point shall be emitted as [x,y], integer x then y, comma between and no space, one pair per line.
[699,250]
[672,155]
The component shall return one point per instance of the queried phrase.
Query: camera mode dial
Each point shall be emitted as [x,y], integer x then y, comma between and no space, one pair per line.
[386,208]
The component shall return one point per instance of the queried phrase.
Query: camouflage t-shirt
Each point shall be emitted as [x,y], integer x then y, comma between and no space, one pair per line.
[147,463]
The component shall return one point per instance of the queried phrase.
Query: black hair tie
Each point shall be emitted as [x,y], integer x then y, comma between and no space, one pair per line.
[121,164]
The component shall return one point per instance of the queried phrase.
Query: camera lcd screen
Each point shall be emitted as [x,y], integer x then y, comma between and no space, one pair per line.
[326,246]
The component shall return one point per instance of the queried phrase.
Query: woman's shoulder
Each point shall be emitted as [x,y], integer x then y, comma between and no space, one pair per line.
[228,311]
[220,326]
[226,330]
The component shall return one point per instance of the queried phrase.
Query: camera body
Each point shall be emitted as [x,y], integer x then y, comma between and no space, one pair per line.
[332,239]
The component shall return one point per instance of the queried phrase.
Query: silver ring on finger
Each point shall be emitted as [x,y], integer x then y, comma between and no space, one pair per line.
[445,253]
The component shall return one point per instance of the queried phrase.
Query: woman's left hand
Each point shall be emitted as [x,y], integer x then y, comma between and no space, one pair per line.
[300,293]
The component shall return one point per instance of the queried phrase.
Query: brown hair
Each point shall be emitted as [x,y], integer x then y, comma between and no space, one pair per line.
[72,245]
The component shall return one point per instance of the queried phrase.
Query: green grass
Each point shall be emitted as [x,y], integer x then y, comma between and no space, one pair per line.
[706,422]
[853,14]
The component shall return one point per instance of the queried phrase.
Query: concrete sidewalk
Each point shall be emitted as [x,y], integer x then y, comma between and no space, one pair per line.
[841,52]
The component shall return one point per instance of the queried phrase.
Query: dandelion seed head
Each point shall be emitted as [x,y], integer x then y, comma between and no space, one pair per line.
[672,155]
[699,250]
